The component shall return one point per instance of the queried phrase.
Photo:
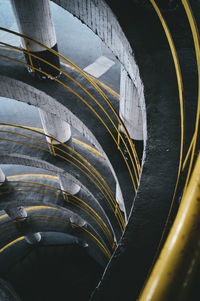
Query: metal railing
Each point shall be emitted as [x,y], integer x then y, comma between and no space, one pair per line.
[191,150]
[173,272]
[113,128]
[53,220]
[69,155]
[54,192]
[174,269]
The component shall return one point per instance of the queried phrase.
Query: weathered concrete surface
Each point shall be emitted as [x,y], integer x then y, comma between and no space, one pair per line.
[87,122]
[38,24]
[138,245]
[20,91]
[98,16]
[73,170]
[30,191]
[53,220]
[129,107]
[2,177]
[137,248]
[52,269]
[68,185]
[55,127]
[19,214]
[97,204]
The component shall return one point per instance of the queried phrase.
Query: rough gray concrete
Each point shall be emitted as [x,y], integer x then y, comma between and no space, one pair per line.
[137,248]
[29,191]
[90,183]
[53,220]
[38,24]
[98,16]
[87,119]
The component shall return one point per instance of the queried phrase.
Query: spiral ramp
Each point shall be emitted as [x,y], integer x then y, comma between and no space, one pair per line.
[96,166]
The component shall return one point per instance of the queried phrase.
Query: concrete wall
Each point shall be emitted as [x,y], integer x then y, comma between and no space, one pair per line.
[97,15]
[34,19]
[18,90]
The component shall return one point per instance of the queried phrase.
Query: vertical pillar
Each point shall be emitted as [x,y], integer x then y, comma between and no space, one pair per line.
[2,177]
[33,238]
[34,19]
[19,214]
[130,110]
[60,130]
[120,200]
[55,127]
[68,185]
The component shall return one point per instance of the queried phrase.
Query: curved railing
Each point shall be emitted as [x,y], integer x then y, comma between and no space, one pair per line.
[132,163]
[54,192]
[190,153]
[55,220]
[70,156]
[173,272]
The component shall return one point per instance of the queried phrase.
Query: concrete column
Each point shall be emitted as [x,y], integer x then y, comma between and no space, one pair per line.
[66,184]
[2,177]
[17,213]
[60,130]
[120,200]
[130,110]
[20,214]
[55,127]
[33,238]
[34,19]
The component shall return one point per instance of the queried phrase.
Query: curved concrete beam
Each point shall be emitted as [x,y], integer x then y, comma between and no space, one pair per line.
[99,204]
[55,220]
[98,16]
[14,89]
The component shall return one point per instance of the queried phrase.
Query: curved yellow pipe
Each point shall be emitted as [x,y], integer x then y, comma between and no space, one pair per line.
[172,273]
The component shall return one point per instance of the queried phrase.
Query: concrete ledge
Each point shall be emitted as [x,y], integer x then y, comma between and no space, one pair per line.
[53,220]
[134,256]
[28,194]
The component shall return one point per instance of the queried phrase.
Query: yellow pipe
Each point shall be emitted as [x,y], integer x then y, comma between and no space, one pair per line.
[110,90]
[188,153]
[88,209]
[106,188]
[31,208]
[181,104]
[77,141]
[196,39]
[11,243]
[33,175]
[120,218]
[131,175]
[54,153]
[97,88]
[92,83]
[90,148]
[170,277]
[42,218]
[29,54]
